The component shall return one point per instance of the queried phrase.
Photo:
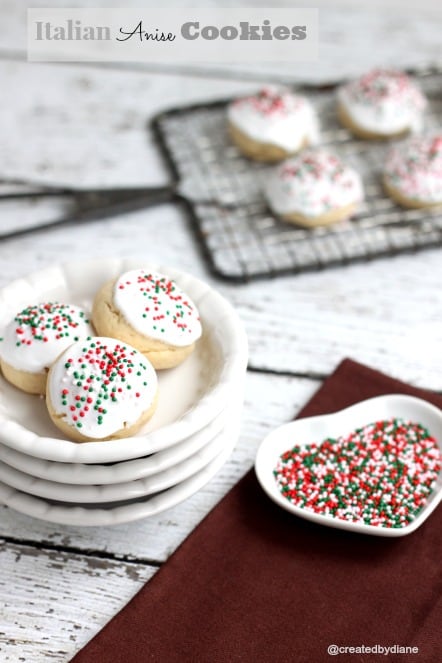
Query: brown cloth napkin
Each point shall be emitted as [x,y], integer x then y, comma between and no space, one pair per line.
[255,583]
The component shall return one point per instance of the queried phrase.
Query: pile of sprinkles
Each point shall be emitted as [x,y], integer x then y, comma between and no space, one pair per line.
[155,306]
[101,383]
[46,322]
[380,474]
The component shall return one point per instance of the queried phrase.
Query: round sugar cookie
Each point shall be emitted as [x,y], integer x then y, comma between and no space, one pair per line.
[383,103]
[150,312]
[35,337]
[314,189]
[101,389]
[272,124]
[413,172]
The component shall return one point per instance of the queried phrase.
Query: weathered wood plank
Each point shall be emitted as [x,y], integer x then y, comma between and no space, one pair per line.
[52,603]
[85,126]
[383,313]
[270,401]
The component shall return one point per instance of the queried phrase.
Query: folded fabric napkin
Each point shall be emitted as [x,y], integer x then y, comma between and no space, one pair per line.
[255,583]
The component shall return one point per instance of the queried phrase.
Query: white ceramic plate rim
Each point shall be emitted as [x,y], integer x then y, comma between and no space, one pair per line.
[234,350]
[126,490]
[144,508]
[315,429]
[112,492]
[129,470]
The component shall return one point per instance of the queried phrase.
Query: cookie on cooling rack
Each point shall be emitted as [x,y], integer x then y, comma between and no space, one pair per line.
[413,172]
[272,124]
[101,389]
[383,103]
[314,189]
[33,340]
[149,311]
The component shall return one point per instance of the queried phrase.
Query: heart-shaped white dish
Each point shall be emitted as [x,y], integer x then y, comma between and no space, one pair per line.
[313,430]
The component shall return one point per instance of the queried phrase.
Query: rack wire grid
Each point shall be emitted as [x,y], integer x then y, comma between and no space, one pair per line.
[241,239]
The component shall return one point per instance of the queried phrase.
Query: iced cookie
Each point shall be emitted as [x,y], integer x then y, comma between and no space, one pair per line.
[101,389]
[273,124]
[33,340]
[149,311]
[314,189]
[381,104]
[413,172]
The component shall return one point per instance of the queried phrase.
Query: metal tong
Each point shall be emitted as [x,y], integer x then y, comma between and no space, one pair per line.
[84,204]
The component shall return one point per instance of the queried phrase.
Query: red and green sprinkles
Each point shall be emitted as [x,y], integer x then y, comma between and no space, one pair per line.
[380,85]
[415,168]
[316,165]
[155,306]
[271,100]
[379,475]
[315,182]
[45,322]
[103,383]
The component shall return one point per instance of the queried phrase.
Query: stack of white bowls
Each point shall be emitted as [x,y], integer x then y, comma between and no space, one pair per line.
[191,435]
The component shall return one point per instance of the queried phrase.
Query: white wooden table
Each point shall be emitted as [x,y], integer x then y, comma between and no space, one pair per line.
[85,126]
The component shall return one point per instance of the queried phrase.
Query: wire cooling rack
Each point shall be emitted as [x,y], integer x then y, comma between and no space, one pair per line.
[242,240]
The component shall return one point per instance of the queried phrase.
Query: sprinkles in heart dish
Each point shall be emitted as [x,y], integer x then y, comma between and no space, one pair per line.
[382,477]
[380,474]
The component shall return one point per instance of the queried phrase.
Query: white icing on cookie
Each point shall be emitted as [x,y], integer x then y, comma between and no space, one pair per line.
[157,308]
[415,168]
[276,116]
[312,184]
[101,385]
[384,102]
[36,336]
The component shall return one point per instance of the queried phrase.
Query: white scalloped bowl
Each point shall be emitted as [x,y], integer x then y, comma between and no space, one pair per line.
[127,490]
[112,473]
[315,429]
[115,513]
[190,396]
